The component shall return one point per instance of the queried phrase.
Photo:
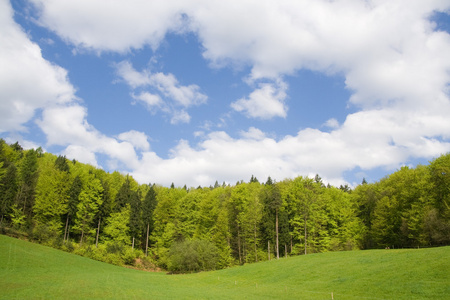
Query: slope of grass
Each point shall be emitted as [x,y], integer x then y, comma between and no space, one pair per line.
[31,271]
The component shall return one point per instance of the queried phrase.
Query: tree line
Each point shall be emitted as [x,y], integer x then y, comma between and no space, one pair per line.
[110,217]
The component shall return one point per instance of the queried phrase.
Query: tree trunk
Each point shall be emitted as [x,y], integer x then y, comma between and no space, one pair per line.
[305,235]
[82,232]
[239,247]
[146,242]
[65,229]
[291,243]
[276,230]
[268,249]
[285,250]
[132,246]
[256,250]
[98,231]
[81,239]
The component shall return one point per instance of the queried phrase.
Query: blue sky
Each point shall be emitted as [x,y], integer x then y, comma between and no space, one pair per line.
[192,92]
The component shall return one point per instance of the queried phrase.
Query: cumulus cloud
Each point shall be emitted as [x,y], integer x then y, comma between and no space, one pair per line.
[394,63]
[151,101]
[111,25]
[68,126]
[167,86]
[27,81]
[265,102]
[331,123]
[138,139]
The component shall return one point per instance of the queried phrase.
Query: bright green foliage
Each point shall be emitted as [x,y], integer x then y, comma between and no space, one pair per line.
[17,217]
[166,229]
[90,199]
[117,229]
[72,204]
[437,219]
[246,214]
[52,194]
[41,194]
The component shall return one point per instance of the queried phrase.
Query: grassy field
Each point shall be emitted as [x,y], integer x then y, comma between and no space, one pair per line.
[31,271]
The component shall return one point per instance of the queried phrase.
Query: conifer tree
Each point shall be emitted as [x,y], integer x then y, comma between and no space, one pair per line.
[28,175]
[8,191]
[135,216]
[148,209]
[72,204]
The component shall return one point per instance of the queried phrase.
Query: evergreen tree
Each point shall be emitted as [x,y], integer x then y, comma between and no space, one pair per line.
[8,191]
[123,196]
[72,204]
[135,216]
[272,202]
[61,164]
[28,175]
[148,209]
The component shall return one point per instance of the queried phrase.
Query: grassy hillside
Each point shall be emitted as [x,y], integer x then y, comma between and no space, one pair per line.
[30,271]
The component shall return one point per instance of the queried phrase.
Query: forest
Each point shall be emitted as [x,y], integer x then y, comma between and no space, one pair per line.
[110,217]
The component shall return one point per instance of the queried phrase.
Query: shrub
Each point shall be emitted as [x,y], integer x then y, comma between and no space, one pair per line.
[192,256]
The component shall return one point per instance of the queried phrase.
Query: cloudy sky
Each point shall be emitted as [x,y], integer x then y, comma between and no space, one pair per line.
[196,91]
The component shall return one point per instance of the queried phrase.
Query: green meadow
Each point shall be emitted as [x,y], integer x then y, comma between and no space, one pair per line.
[32,271]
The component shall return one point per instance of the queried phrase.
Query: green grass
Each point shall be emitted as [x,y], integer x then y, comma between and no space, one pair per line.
[31,271]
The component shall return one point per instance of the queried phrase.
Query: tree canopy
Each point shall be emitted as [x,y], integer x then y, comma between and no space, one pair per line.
[109,216]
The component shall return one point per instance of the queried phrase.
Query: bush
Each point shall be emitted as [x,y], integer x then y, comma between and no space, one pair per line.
[192,256]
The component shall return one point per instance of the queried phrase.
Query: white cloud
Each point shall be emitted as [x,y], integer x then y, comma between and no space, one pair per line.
[132,77]
[253,133]
[395,65]
[111,25]
[138,139]
[167,86]
[81,154]
[150,100]
[68,126]
[27,81]
[180,116]
[366,140]
[331,123]
[265,102]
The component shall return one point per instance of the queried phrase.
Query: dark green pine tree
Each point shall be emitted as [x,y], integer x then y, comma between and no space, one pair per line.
[272,203]
[135,216]
[8,191]
[253,179]
[148,208]
[61,164]
[28,176]
[74,192]
[123,196]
